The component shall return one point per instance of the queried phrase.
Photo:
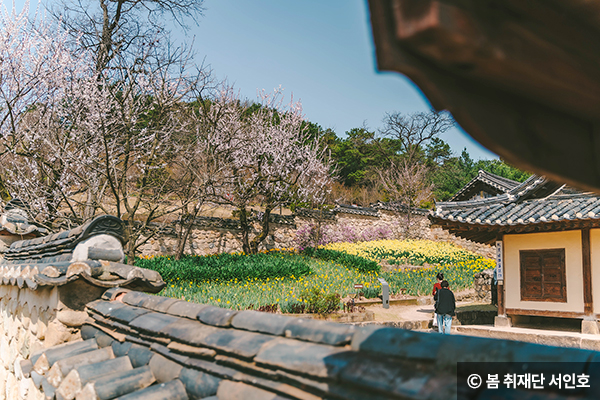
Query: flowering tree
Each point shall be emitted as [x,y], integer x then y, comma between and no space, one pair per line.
[38,74]
[408,185]
[214,132]
[92,142]
[270,158]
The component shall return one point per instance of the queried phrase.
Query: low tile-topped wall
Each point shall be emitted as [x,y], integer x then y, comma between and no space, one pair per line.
[215,238]
[151,347]
[41,309]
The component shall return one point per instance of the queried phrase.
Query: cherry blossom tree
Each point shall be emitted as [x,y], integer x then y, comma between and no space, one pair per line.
[90,142]
[37,74]
[272,159]
[406,184]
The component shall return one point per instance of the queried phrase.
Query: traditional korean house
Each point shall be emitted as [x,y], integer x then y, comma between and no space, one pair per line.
[484,185]
[547,238]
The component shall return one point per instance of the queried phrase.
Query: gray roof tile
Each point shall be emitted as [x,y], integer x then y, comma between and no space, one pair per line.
[186,309]
[320,331]
[153,322]
[304,358]
[174,390]
[229,390]
[139,355]
[239,343]
[199,385]
[190,332]
[121,383]
[164,370]
[263,322]
[527,206]
[216,316]
[391,342]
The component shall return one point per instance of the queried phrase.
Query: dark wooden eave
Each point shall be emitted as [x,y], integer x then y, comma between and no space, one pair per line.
[521,77]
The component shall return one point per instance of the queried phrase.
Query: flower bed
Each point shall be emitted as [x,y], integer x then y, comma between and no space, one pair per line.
[291,290]
[414,252]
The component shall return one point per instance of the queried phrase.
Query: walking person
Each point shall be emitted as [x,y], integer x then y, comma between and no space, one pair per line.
[445,307]
[437,286]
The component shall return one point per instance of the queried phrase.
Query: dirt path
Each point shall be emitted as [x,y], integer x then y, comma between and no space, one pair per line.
[406,313]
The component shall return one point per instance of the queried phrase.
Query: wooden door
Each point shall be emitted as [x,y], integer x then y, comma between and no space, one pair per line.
[543,275]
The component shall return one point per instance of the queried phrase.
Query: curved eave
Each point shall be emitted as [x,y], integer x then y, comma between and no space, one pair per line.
[487,233]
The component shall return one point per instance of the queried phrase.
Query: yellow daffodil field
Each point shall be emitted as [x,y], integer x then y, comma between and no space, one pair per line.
[255,290]
[414,252]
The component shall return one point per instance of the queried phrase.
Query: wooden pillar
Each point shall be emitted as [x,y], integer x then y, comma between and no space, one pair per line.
[501,306]
[500,288]
[588,303]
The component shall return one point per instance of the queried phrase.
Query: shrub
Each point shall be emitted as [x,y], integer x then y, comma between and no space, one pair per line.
[292,307]
[318,302]
[227,266]
[349,260]
[370,292]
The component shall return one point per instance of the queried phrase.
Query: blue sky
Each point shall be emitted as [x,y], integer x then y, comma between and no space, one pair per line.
[319,51]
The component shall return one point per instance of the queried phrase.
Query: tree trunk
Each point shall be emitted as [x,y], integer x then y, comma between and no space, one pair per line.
[186,233]
[244,225]
[264,231]
[130,248]
[408,222]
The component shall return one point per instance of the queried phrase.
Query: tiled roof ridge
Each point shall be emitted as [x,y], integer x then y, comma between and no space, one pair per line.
[397,206]
[519,192]
[98,273]
[189,350]
[503,184]
[52,260]
[64,242]
[312,213]
[488,201]
[509,183]
[527,186]
[352,209]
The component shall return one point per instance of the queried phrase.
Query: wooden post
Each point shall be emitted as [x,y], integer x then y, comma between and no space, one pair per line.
[501,306]
[500,259]
[588,307]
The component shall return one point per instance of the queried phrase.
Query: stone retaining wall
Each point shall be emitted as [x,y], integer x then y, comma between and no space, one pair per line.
[483,286]
[205,239]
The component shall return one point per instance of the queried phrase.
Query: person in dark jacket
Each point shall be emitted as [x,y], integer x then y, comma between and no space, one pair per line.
[444,307]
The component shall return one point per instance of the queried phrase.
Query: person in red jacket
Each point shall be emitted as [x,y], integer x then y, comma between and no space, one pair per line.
[437,286]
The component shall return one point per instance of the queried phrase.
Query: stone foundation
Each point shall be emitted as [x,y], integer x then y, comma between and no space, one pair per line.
[483,286]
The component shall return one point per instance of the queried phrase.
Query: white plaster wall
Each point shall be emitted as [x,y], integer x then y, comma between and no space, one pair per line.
[571,242]
[27,324]
[595,250]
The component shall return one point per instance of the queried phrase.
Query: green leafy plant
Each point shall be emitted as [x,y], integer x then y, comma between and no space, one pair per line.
[349,260]
[292,307]
[227,266]
[371,292]
[318,302]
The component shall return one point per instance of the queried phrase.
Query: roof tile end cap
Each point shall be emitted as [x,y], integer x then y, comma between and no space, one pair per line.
[216,316]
